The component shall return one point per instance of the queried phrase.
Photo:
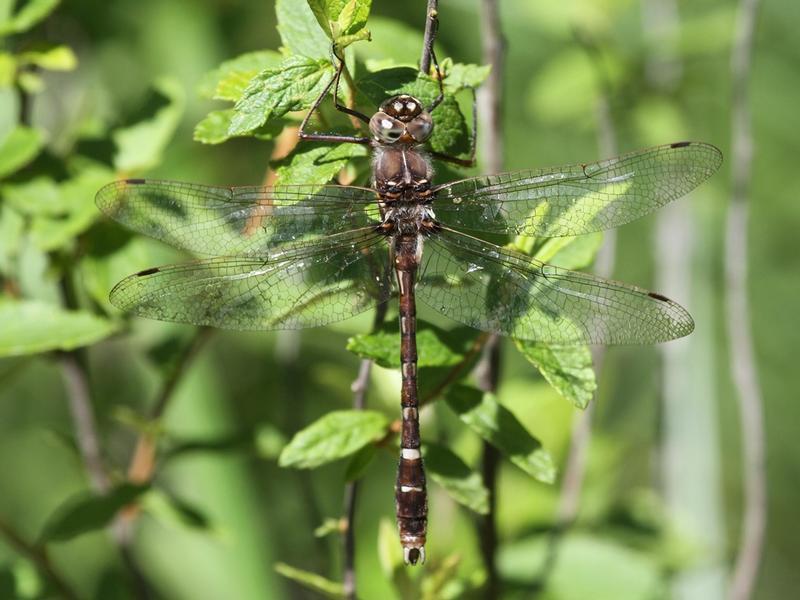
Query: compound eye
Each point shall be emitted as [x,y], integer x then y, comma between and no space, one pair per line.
[385,128]
[421,128]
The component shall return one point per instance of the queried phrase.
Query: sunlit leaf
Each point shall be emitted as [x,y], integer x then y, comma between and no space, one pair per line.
[50,232]
[18,148]
[315,164]
[498,426]
[8,69]
[140,146]
[294,85]
[328,527]
[342,21]
[214,129]
[459,76]
[29,15]
[312,581]
[229,80]
[334,436]
[436,347]
[567,368]
[55,58]
[300,31]
[570,252]
[30,327]
[462,483]
[88,511]
[37,196]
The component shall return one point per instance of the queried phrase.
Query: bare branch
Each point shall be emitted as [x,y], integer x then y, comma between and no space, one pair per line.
[490,109]
[431,24]
[743,363]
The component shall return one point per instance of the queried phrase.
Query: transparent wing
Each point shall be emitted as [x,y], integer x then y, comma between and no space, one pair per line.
[579,198]
[227,221]
[300,285]
[493,289]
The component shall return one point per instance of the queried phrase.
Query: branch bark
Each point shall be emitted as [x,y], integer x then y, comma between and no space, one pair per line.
[490,103]
[742,359]
[431,25]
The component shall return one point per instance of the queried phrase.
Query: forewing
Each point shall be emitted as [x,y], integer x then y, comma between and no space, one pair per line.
[494,289]
[300,285]
[579,198]
[228,221]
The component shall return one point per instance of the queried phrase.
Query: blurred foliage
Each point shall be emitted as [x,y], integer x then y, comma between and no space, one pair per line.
[91,92]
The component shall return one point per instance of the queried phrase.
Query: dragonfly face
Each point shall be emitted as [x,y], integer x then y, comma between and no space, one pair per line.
[401,120]
[289,257]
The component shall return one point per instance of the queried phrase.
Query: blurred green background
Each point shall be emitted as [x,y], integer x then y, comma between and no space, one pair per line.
[661,508]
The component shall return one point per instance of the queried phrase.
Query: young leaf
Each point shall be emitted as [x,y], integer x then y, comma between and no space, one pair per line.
[30,327]
[139,146]
[462,483]
[55,58]
[230,79]
[334,436]
[87,512]
[498,426]
[342,20]
[19,148]
[459,76]
[450,134]
[299,30]
[312,581]
[28,16]
[315,164]
[436,347]
[294,85]
[567,368]
[214,128]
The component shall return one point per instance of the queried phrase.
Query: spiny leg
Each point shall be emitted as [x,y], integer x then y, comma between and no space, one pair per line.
[332,137]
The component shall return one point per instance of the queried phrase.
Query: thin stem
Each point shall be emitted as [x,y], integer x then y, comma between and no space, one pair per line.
[743,363]
[359,388]
[489,106]
[38,555]
[431,15]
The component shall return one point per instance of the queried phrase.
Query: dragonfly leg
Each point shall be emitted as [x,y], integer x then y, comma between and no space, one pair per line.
[332,137]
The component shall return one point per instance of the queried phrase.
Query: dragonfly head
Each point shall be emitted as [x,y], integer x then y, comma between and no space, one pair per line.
[401,119]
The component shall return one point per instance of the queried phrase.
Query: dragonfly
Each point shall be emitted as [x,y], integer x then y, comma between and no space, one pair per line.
[297,256]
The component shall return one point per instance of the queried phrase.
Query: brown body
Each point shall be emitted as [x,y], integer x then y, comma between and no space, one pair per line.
[402,177]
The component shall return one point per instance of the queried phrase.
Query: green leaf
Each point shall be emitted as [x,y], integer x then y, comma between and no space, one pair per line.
[140,146]
[462,483]
[294,85]
[8,69]
[230,79]
[328,527]
[359,462]
[436,347]
[315,164]
[167,509]
[28,16]
[299,30]
[334,436]
[342,21]
[450,134]
[269,441]
[50,232]
[30,327]
[567,368]
[498,426]
[88,512]
[570,252]
[312,581]
[214,128]
[19,148]
[55,58]
[393,44]
[459,76]
[37,196]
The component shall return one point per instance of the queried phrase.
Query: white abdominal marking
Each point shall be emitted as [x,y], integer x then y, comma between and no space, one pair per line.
[410,453]
[410,488]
